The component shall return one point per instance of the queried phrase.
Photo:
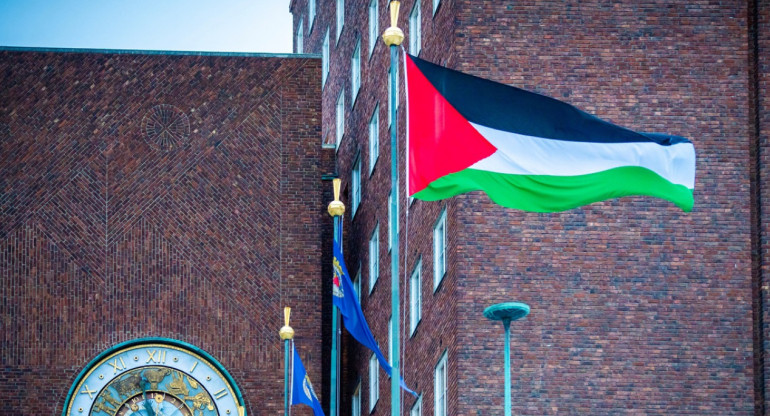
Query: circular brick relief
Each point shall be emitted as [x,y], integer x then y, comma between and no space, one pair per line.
[165,127]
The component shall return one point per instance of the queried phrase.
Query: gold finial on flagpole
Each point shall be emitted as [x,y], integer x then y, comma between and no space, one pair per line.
[286,332]
[393,35]
[336,207]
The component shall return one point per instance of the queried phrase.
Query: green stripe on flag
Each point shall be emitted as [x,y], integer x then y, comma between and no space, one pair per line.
[543,193]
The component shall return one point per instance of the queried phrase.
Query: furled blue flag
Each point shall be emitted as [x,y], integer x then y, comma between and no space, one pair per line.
[301,389]
[345,298]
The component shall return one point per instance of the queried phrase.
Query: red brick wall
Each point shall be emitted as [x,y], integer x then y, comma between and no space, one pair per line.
[107,236]
[762,178]
[417,368]
[637,307]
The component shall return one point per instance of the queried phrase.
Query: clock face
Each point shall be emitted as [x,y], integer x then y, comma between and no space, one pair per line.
[154,403]
[154,379]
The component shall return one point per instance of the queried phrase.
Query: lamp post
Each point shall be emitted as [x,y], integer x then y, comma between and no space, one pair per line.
[507,312]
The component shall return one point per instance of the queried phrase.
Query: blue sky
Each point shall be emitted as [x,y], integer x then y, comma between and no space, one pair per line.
[172,25]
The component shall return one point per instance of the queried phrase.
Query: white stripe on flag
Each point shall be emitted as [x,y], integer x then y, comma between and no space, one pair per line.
[527,155]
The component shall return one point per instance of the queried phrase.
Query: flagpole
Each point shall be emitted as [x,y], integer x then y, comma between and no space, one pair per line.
[507,312]
[393,36]
[336,210]
[287,334]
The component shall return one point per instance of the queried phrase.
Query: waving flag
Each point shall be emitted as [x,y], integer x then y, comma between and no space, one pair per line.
[345,298]
[301,389]
[528,151]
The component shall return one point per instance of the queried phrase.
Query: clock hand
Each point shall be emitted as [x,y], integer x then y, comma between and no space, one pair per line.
[147,404]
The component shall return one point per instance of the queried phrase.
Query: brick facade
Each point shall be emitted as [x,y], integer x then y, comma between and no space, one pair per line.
[637,307]
[760,43]
[111,230]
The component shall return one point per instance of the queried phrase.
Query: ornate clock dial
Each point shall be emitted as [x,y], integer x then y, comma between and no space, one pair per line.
[171,379]
[154,403]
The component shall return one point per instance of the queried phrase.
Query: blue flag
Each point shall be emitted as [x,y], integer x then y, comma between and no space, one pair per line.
[301,389]
[345,298]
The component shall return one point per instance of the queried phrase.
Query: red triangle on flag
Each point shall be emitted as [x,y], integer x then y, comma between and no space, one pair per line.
[441,140]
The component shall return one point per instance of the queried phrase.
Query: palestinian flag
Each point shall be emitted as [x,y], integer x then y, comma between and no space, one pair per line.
[528,151]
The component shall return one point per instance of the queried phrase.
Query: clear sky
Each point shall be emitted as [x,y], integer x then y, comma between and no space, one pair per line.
[170,25]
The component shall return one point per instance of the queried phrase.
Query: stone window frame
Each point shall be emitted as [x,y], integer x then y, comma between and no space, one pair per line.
[440,385]
[340,18]
[374,138]
[439,249]
[325,59]
[415,29]
[416,409]
[374,381]
[355,73]
[355,401]
[300,40]
[374,25]
[374,257]
[355,186]
[339,123]
[415,297]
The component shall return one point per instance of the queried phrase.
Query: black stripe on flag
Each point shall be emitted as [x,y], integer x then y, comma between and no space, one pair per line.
[515,110]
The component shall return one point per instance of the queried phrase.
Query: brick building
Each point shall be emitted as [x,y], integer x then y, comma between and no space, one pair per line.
[175,198]
[159,203]
[637,307]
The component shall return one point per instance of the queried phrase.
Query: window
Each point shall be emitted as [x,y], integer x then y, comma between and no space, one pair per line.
[357,284]
[416,408]
[435,6]
[355,73]
[415,29]
[439,249]
[340,17]
[355,401]
[374,257]
[374,138]
[355,185]
[374,25]
[440,387]
[300,37]
[325,58]
[340,117]
[310,14]
[374,381]
[390,97]
[391,219]
[415,297]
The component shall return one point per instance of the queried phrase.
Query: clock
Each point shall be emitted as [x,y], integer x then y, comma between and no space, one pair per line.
[155,403]
[154,377]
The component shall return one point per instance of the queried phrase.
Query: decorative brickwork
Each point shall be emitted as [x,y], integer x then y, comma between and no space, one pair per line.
[165,126]
[637,308]
[158,195]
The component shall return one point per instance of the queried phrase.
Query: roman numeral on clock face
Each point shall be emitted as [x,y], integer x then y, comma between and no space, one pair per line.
[156,356]
[117,365]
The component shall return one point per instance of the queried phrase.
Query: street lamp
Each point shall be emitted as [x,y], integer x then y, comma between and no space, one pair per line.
[507,312]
